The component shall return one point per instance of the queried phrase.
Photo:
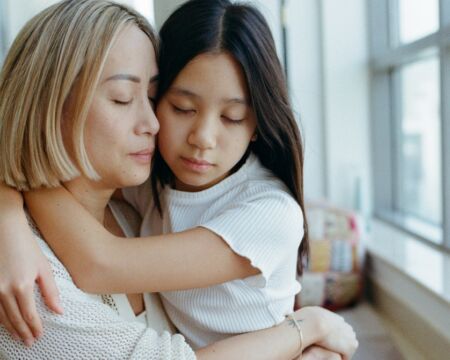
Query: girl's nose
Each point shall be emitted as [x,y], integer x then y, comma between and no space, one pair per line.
[204,134]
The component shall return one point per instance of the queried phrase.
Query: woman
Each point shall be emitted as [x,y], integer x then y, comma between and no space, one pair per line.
[85,100]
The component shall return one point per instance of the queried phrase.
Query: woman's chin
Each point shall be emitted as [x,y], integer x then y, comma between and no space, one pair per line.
[134,179]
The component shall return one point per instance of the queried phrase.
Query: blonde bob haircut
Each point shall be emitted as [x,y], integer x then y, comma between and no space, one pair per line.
[59,53]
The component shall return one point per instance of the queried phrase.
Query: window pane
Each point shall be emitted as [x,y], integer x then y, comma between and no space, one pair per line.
[417,18]
[419,166]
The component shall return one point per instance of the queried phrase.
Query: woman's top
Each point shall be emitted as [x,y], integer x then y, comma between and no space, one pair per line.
[97,326]
[254,213]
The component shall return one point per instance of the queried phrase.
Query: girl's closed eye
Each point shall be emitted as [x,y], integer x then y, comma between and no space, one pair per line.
[152,101]
[182,110]
[233,120]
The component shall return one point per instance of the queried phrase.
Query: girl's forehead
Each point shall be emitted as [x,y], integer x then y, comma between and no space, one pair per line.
[211,74]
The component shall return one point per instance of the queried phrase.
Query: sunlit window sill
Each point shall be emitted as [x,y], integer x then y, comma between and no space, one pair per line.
[423,264]
[417,275]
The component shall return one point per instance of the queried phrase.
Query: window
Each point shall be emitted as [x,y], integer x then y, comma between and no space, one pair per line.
[410,114]
[416,19]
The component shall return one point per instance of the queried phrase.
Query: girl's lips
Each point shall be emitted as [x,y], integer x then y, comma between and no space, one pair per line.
[196,165]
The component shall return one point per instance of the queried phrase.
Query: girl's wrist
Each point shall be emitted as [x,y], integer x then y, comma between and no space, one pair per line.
[311,322]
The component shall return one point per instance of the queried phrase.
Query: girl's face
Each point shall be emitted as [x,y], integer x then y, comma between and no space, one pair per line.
[121,124]
[206,121]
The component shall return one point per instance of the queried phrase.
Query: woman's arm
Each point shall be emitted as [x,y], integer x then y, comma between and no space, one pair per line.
[114,265]
[22,264]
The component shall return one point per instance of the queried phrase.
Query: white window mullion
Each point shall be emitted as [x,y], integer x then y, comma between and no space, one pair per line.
[445,110]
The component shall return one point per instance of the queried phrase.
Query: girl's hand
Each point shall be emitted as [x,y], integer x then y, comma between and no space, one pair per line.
[22,264]
[334,333]
[319,353]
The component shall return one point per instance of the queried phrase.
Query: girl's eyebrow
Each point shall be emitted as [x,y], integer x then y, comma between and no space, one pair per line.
[154,78]
[181,91]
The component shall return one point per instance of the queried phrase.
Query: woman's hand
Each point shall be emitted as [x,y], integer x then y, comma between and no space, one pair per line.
[319,353]
[333,333]
[22,264]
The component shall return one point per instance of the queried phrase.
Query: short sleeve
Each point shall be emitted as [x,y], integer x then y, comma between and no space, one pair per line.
[140,197]
[263,225]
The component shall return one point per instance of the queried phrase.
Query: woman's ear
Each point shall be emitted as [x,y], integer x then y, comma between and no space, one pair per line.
[254,137]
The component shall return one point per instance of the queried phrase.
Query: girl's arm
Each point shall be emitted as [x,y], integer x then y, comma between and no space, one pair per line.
[333,337]
[105,263]
[22,264]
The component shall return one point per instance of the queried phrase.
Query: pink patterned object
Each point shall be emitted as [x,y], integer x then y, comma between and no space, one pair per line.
[333,276]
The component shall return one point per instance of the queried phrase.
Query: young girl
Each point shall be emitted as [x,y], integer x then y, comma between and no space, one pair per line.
[229,161]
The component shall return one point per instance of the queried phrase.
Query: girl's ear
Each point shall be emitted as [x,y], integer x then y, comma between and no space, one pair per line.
[254,137]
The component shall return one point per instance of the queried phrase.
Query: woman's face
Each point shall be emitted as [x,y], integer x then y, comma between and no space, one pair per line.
[121,124]
[206,121]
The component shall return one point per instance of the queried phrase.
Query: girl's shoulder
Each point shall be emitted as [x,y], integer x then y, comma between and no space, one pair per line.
[260,183]
[59,270]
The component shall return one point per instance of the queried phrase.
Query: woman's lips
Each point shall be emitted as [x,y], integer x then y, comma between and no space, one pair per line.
[197,165]
[143,157]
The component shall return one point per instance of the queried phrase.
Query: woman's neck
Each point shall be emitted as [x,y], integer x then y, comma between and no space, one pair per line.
[92,195]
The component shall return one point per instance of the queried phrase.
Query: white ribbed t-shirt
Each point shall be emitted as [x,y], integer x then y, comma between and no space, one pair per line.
[256,216]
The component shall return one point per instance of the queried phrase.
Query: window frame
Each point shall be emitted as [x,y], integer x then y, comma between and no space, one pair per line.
[3,31]
[387,55]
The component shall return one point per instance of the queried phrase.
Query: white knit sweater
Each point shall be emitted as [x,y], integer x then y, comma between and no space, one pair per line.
[91,329]
[257,217]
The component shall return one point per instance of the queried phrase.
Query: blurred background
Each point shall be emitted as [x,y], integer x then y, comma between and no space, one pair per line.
[370,83]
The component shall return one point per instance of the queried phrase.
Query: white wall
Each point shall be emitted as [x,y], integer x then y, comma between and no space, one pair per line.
[305,85]
[346,103]
[20,11]
[163,8]
[328,79]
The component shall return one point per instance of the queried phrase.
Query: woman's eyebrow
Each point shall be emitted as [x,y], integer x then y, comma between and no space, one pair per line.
[129,77]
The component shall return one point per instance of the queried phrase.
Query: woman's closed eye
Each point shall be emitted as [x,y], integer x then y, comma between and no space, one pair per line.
[122,101]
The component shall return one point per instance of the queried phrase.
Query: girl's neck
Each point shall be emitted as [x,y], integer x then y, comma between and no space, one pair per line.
[92,195]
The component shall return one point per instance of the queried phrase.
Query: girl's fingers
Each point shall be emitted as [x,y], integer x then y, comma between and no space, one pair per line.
[49,290]
[27,307]
[7,324]
[15,318]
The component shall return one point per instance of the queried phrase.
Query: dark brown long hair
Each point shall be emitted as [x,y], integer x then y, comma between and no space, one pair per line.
[202,26]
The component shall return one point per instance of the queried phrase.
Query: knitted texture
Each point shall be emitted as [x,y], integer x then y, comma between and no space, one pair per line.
[90,329]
